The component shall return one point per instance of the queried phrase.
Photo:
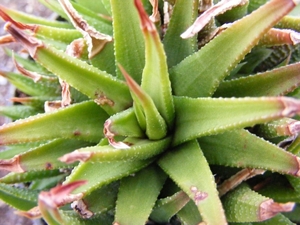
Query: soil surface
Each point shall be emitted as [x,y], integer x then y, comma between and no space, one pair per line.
[7,215]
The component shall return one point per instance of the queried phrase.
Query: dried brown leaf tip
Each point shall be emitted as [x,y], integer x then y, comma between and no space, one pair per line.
[269,209]
[28,41]
[297,173]
[12,165]
[280,37]
[110,137]
[7,18]
[76,156]
[33,75]
[49,202]
[290,106]
[95,40]
[60,195]
[206,16]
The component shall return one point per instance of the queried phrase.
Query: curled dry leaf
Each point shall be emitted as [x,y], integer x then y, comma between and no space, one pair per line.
[31,43]
[95,40]
[155,17]
[33,75]
[110,136]
[213,11]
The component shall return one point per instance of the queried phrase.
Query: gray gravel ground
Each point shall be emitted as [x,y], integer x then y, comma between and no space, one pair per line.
[7,216]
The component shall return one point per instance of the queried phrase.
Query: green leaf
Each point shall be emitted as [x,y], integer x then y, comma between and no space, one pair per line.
[289,22]
[90,4]
[70,217]
[22,199]
[102,173]
[107,194]
[94,19]
[58,37]
[129,52]
[137,196]
[198,75]
[43,87]
[76,121]
[147,114]
[294,215]
[155,78]
[277,189]
[27,63]
[42,157]
[30,19]
[18,111]
[12,150]
[125,124]
[295,146]
[167,207]
[253,59]
[278,128]
[278,220]
[206,116]
[12,177]
[176,48]
[189,214]
[187,166]
[105,59]
[234,14]
[239,148]
[277,82]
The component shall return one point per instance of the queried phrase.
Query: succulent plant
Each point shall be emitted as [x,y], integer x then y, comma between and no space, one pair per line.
[186,116]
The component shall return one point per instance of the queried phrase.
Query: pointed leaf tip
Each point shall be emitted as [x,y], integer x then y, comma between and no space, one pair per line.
[146,23]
